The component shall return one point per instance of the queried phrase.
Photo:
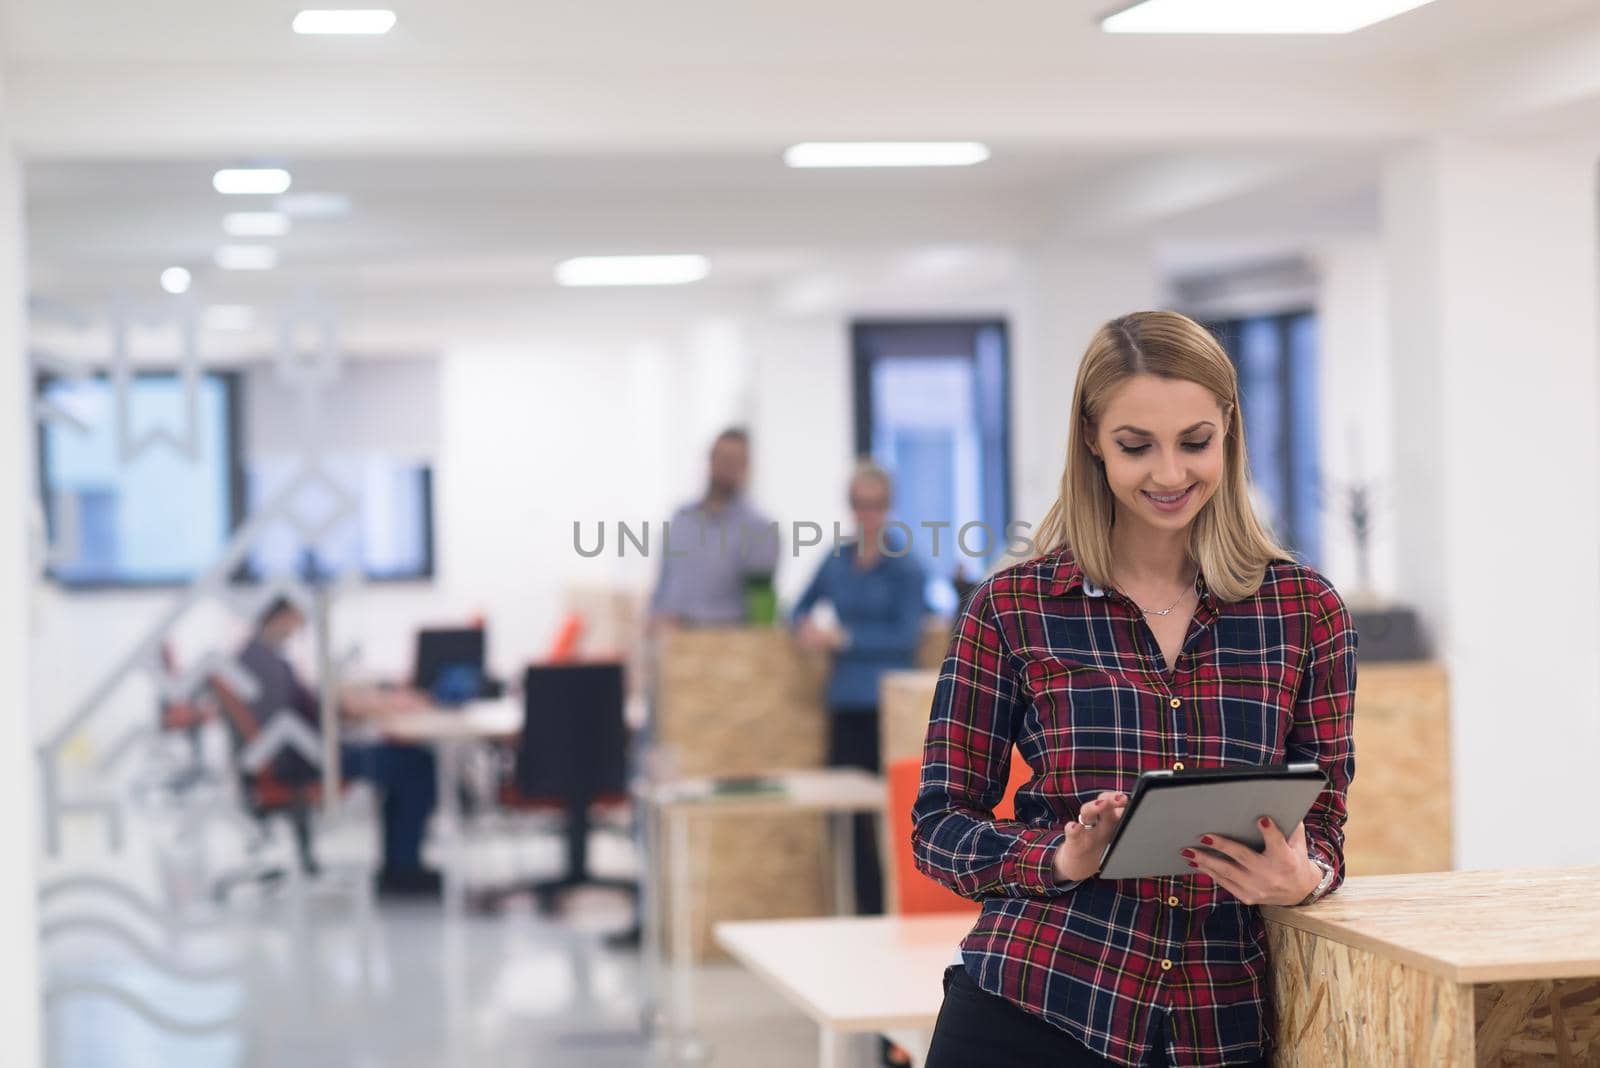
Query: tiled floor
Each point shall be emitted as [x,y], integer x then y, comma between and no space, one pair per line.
[511,989]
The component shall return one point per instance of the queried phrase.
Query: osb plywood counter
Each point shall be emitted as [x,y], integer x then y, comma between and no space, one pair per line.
[1449,968]
[745,701]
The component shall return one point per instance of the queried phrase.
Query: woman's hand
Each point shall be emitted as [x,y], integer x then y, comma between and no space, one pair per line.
[1281,874]
[818,639]
[1079,856]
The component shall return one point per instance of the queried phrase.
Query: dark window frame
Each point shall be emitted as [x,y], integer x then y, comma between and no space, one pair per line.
[862,357]
[1297,494]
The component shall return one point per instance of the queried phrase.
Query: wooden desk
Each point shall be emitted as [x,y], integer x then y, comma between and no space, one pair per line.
[447,732]
[855,975]
[836,794]
[1451,968]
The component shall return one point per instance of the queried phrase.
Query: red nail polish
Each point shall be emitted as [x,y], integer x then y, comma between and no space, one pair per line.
[1205,839]
[1265,823]
[1192,864]
[1187,852]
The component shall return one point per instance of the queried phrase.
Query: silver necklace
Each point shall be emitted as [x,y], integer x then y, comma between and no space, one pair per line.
[1174,604]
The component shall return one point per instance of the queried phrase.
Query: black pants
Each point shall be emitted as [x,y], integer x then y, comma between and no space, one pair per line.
[405,775]
[977,1029]
[853,743]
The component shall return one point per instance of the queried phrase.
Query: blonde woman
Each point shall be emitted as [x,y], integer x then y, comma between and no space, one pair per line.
[875,589]
[1160,627]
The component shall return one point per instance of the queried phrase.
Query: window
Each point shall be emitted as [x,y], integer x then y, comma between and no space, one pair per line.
[931,407]
[388,534]
[160,516]
[156,516]
[1276,357]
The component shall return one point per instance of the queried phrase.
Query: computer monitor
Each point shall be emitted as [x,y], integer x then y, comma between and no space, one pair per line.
[444,649]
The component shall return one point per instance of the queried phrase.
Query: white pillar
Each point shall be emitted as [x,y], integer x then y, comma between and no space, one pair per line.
[19,931]
[1496,405]
[1357,433]
[1070,290]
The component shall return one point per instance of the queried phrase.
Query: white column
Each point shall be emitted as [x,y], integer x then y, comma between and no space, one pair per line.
[19,932]
[1496,405]
[1357,432]
[1070,290]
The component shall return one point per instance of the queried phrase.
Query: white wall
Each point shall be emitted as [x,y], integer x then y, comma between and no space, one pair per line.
[1071,290]
[1497,405]
[19,933]
[1357,432]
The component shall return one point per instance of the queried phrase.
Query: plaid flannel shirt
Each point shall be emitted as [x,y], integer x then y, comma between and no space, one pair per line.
[1071,674]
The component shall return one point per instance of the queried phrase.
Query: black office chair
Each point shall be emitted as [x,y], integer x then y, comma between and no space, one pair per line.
[573,754]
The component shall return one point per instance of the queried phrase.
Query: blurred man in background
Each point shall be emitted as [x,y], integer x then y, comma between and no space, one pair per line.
[716,545]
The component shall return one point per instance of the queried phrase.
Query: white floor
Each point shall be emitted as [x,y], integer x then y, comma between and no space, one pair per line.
[510,989]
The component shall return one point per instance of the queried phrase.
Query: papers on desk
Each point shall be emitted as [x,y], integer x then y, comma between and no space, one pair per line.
[733,787]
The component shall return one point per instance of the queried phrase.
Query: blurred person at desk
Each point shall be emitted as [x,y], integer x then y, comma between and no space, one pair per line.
[865,606]
[717,547]
[403,774]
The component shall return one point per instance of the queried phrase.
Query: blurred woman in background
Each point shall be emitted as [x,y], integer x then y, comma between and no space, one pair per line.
[874,624]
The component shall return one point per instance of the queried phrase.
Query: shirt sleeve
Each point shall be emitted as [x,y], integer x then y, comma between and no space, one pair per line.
[759,544]
[808,600]
[667,600]
[662,601]
[965,764]
[1324,712]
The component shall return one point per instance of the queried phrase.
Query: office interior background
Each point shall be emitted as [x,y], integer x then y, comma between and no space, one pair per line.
[381,383]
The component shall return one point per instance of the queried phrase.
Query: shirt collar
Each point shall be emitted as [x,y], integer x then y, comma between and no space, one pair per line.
[1067,576]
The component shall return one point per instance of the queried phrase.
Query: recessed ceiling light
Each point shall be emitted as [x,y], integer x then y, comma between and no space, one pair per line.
[314,205]
[246,257]
[886,154]
[249,181]
[362,22]
[632,270]
[255,224]
[175,280]
[1254,16]
[230,317]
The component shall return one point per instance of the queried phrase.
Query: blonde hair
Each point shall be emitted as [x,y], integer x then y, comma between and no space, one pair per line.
[866,470]
[1230,544]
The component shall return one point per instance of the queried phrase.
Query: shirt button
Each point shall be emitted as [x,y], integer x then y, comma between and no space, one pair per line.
[1175,703]
[1166,965]
[1177,765]
[1173,901]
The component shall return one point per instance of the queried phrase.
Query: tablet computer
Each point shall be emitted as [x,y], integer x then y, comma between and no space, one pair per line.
[1170,810]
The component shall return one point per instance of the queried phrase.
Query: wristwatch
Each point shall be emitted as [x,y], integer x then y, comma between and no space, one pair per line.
[1322,883]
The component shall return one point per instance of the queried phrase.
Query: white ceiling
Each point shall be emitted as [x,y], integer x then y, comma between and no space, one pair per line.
[481,142]
[626,42]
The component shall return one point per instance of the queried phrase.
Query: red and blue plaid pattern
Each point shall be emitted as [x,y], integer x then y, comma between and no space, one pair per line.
[1071,674]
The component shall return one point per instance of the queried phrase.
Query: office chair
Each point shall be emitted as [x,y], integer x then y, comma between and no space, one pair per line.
[913,893]
[268,793]
[572,755]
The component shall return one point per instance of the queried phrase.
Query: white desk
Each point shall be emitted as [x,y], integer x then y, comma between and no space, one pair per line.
[447,732]
[855,974]
[836,793]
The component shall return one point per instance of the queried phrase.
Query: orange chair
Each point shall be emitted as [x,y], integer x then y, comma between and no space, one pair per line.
[265,793]
[564,650]
[914,892]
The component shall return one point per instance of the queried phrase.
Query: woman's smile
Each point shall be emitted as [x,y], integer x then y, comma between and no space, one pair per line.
[1171,502]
